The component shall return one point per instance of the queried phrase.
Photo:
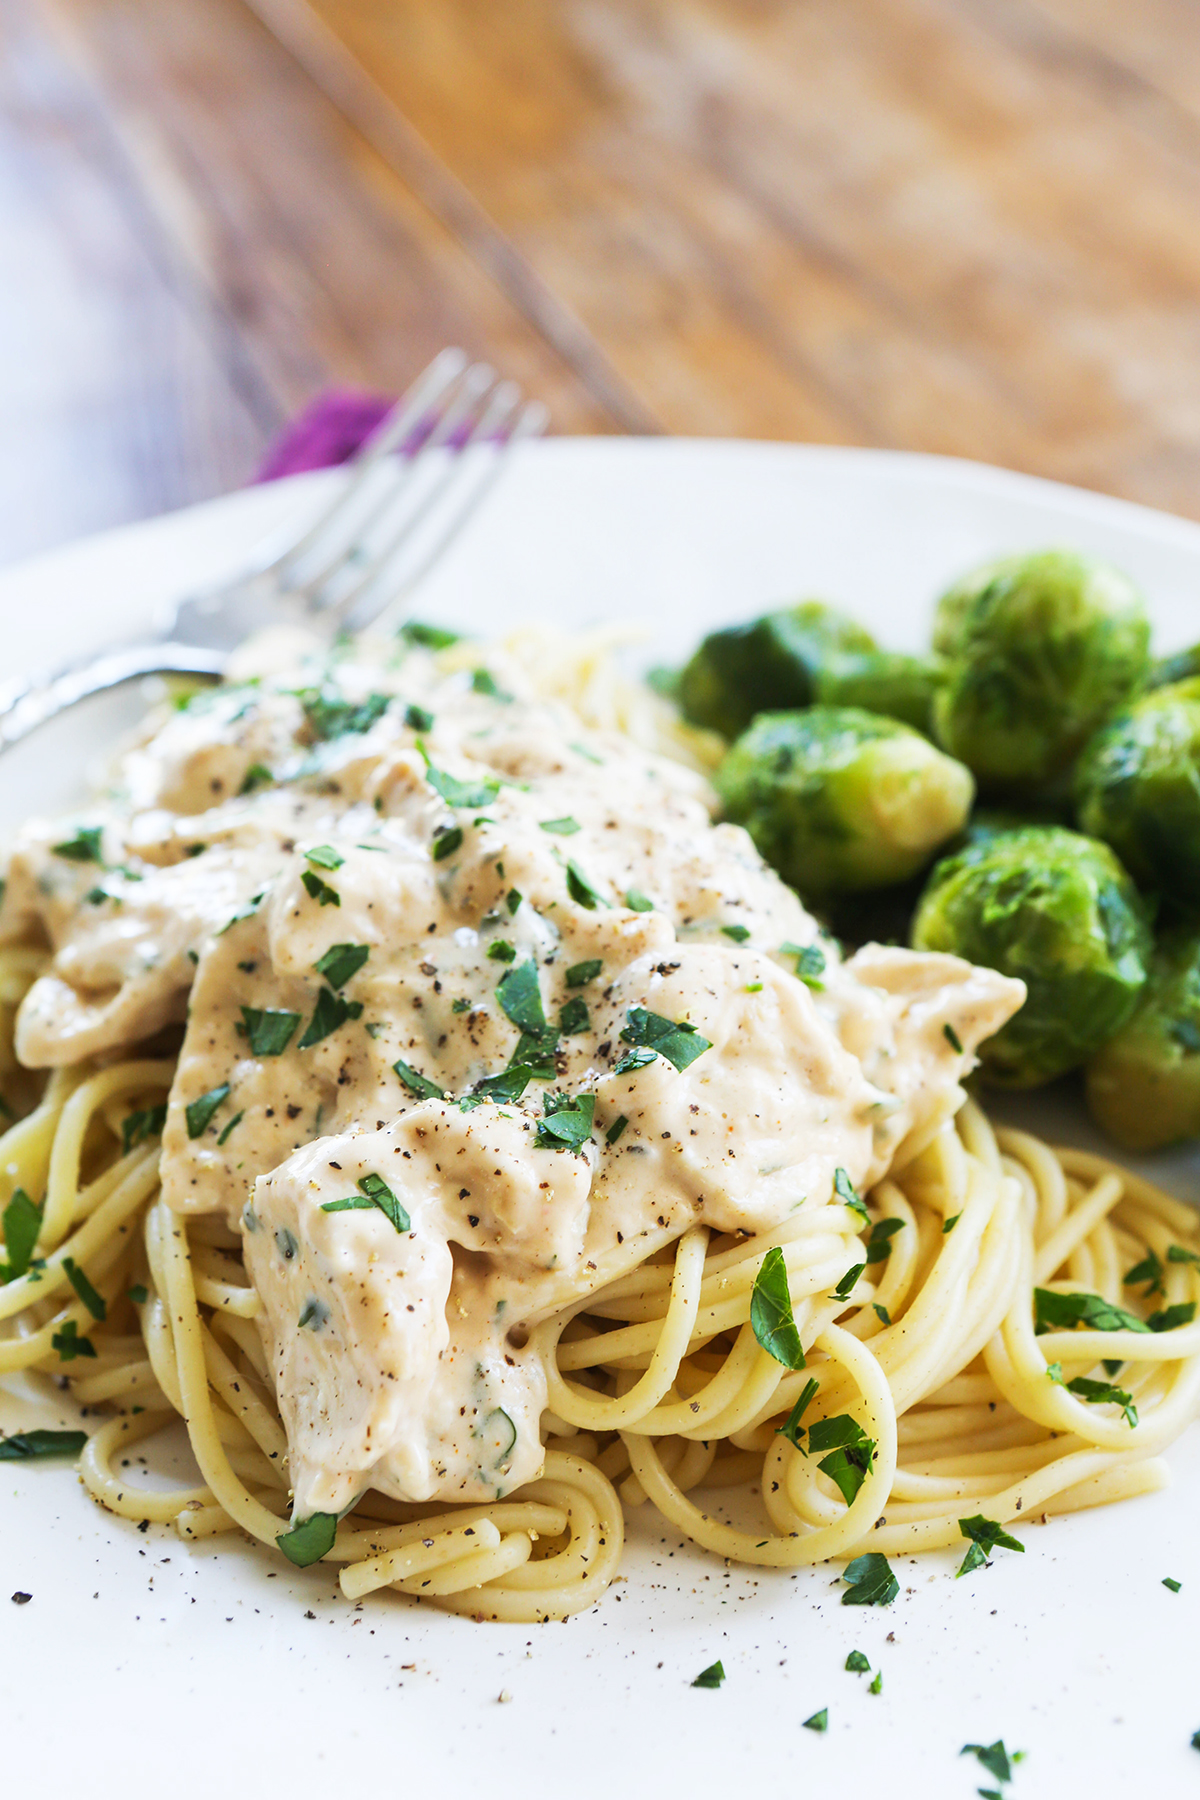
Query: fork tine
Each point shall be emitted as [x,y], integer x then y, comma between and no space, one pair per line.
[530,423]
[464,413]
[408,413]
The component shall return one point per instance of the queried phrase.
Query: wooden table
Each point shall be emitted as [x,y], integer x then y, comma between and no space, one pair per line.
[969,226]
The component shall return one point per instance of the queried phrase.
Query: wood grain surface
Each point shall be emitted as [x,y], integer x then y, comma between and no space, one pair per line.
[969,226]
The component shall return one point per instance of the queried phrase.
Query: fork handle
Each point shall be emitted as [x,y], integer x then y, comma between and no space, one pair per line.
[24,705]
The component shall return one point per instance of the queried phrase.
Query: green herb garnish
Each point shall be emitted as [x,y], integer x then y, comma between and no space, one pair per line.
[810,963]
[675,1039]
[1172,1317]
[581,889]
[712,1677]
[564,827]
[324,856]
[857,1664]
[636,901]
[446,840]
[1150,1271]
[69,1344]
[418,719]
[579,974]
[329,715]
[22,1222]
[994,1757]
[137,1127]
[418,1084]
[310,1540]
[845,1286]
[502,951]
[739,933]
[340,962]
[373,1191]
[256,776]
[952,1038]
[848,1194]
[200,1112]
[330,1013]
[567,1124]
[1168,1580]
[615,1129]
[268,1029]
[430,637]
[574,1018]
[792,1429]
[27,1446]
[461,793]
[818,1721]
[229,1129]
[319,890]
[1061,1312]
[771,1312]
[879,1246]
[871,1581]
[84,847]
[985,1537]
[851,1452]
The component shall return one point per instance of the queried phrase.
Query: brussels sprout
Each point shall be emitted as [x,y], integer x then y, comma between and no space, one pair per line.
[838,799]
[1143,1087]
[882,681]
[1057,910]
[1042,649]
[1169,669]
[765,666]
[1138,788]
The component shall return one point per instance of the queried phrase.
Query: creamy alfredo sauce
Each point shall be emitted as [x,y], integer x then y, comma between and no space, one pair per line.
[423,933]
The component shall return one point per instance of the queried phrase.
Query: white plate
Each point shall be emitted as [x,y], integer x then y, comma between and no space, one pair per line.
[142,1665]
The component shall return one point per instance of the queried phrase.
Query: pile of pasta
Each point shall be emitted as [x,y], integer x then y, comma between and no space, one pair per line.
[919,1328]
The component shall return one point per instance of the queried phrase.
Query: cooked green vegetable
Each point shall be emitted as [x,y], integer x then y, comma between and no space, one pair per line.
[1058,911]
[1143,1086]
[1041,650]
[764,666]
[882,681]
[839,799]
[1138,788]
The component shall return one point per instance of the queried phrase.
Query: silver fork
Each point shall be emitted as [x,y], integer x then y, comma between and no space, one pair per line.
[410,491]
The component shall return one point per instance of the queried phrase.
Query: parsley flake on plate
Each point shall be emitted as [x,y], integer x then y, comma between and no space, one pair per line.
[818,1721]
[84,847]
[310,1540]
[857,1664]
[30,1446]
[712,1677]
[985,1536]
[871,1581]
[994,1757]
[675,1039]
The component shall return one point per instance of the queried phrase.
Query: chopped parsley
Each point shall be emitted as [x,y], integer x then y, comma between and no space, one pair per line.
[256,776]
[810,963]
[792,1429]
[268,1029]
[567,1124]
[1172,1317]
[430,637]
[330,1013]
[564,827]
[739,933]
[848,1194]
[851,1452]
[139,1293]
[229,1130]
[771,1312]
[418,719]
[340,962]
[521,998]
[502,951]
[137,1127]
[871,1581]
[330,715]
[1097,1393]
[418,1084]
[615,1129]
[712,1677]
[1063,1312]
[581,889]
[319,890]
[324,856]
[461,793]
[845,1286]
[574,1018]
[994,1757]
[952,1038]
[373,1191]
[580,973]
[857,1664]
[1177,1254]
[310,1540]
[69,1344]
[200,1112]
[22,1222]
[84,847]
[1169,1581]
[26,1446]
[985,1537]
[818,1721]
[484,682]
[949,1224]
[879,1244]
[513,900]
[314,1315]
[94,1302]
[675,1039]
[446,840]
[876,1687]
[636,901]
[881,1312]
[1150,1271]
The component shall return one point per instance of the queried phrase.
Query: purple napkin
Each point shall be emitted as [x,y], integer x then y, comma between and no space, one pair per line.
[330,429]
